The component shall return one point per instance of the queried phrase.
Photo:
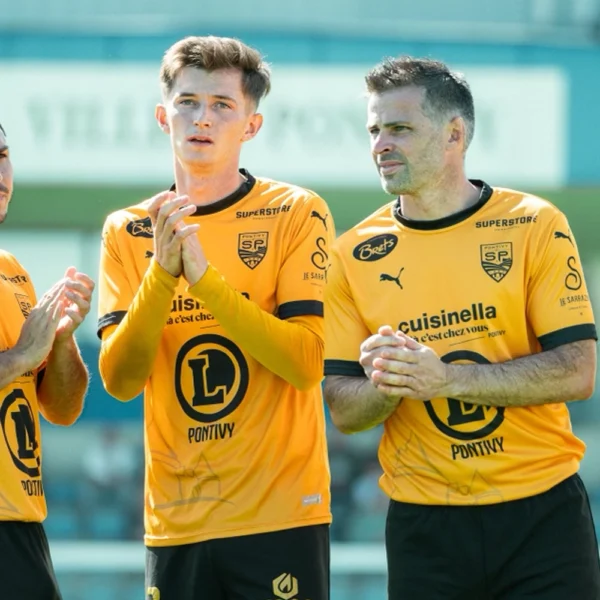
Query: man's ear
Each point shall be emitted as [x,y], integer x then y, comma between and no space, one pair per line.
[254,124]
[160,114]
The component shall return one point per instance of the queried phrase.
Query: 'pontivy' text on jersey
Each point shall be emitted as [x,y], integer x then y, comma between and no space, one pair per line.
[496,282]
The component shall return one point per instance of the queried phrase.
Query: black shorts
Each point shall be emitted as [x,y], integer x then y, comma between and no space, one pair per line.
[288,564]
[26,571]
[542,547]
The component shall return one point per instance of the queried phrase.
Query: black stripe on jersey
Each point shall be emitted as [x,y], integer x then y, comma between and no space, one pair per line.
[350,368]
[111,318]
[299,308]
[575,333]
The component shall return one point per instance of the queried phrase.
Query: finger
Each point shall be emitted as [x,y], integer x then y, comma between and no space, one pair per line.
[186,231]
[81,303]
[56,309]
[402,354]
[398,392]
[411,343]
[77,287]
[377,341]
[367,358]
[386,330]
[394,366]
[53,294]
[393,379]
[74,315]
[55,290]
[85,279]
[191,242]
[156,202]
[177,216]
[70,272]
[165,212]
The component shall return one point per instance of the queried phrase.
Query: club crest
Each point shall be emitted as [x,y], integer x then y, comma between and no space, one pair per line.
[497,259]
[252,247]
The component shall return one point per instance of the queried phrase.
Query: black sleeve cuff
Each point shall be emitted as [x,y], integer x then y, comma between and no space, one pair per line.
[112,318]
[299,308]
[349,368]
[575,333]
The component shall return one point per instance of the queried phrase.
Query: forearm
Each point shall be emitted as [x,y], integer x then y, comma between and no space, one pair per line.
[128,352]
[292,348]
[558,375]
[13,364]
[64,383]
[355,404]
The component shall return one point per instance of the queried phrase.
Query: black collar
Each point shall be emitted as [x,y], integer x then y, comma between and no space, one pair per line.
[484,196]
[228,201]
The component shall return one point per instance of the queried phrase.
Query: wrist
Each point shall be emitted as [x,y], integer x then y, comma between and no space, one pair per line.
[20,360]
[198,272]
[63,339]
[173,273]
[451,387]
[157,271]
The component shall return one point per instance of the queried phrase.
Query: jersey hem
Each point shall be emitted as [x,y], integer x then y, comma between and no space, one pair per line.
[548,485]
[229,533]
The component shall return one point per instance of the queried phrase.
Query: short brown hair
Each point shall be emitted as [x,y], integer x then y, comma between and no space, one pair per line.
[212,53]
[445,91]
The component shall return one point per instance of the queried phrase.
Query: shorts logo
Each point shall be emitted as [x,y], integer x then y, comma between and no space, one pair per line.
[152,593]
[211,377]
[18,426]
[375,248]
[24,304]
[496,259]
[285,586]
[460,420]
[140,228]
[252,247]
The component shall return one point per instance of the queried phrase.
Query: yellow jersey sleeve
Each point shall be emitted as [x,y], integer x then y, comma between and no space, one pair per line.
[558,306]
[301,281]
[291,348]
[345,330]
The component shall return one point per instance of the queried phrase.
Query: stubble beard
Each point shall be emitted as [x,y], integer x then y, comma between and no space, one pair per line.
[397,185]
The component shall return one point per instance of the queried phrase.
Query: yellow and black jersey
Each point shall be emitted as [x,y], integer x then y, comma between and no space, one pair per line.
[495,282]
[231,448]
[21,491]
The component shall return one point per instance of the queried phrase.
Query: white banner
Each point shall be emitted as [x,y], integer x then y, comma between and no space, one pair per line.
[94,123]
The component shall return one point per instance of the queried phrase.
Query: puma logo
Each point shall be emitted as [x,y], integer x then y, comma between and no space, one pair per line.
[564,236]
[149,254]
[323,220]
[396,280]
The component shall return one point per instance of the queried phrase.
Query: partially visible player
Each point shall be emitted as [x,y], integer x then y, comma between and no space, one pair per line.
[40,371]
[211,301]
[458,316]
